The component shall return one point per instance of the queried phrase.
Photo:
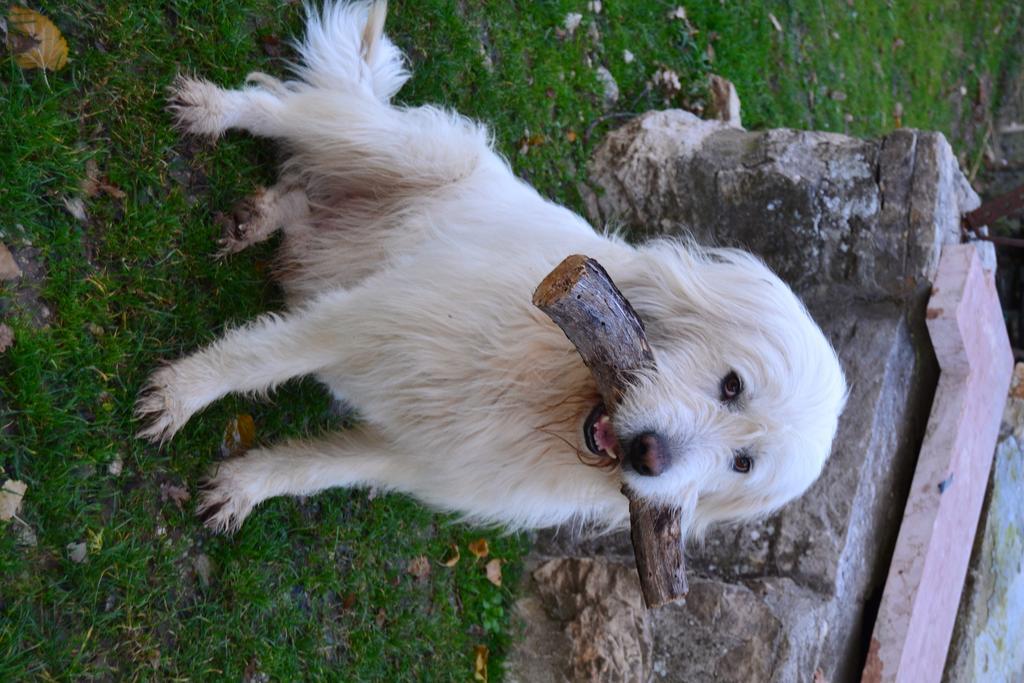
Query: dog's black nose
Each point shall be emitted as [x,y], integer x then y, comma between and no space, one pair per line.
[648,454]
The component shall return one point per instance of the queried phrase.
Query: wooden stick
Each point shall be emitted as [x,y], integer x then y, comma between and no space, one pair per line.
[580,297]
[656,534]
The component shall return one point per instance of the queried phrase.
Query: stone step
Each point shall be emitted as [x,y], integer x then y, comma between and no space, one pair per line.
[856,226]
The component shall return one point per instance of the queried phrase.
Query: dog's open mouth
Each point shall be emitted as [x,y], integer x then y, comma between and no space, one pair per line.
[599,435]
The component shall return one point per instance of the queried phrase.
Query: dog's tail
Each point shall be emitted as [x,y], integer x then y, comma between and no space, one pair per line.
[345,48]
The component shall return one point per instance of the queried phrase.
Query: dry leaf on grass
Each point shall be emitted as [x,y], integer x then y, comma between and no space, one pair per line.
[480,663]
[35,41]
[26,536]
[667,80]
[115,466]
[527,142]
[572,22]
[479,548]
[95,183]
[77,552]
[178,494]
[6,337]
[11,494]
[9,269]
[18,42]
[494,572]
[775,22]
[239,436]
[454,558]
[419,567]
[76,207]
[725,102]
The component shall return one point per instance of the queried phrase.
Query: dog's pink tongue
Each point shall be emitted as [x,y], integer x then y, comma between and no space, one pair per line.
[604,436]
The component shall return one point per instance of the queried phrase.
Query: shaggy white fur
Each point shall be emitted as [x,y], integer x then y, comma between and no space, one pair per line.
[409,256]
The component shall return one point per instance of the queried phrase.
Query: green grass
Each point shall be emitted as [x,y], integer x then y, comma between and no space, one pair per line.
[319,588]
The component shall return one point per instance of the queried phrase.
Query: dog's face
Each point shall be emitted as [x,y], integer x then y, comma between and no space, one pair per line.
[739,414]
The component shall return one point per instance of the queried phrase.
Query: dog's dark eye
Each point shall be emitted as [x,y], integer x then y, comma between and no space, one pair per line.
[732,387]
[742,463]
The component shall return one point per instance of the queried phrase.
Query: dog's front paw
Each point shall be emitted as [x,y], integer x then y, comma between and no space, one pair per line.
[223,501]
[198,106]
[159,408]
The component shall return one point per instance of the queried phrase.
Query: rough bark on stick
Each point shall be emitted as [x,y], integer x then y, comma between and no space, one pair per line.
[657,537]
[580,297]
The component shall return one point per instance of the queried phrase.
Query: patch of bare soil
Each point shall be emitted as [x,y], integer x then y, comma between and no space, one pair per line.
[24,292]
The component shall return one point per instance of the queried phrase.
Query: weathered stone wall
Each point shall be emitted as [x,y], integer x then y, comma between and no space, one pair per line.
[856,227]
[831,214]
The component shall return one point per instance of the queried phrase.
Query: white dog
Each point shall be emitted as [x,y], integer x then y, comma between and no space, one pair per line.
[409,256]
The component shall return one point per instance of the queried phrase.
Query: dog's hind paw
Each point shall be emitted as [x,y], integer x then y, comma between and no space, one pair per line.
[223,505]
[246,225]
[158,408]
[198,106]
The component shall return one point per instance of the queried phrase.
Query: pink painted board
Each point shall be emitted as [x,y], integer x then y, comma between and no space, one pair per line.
[922,592]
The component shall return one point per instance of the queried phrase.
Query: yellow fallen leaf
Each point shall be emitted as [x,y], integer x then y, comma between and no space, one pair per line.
[479,548]
[494,572]
[11,494]
[239,436]
[454,558]
[480,663]
[46,47]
